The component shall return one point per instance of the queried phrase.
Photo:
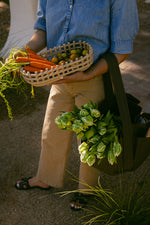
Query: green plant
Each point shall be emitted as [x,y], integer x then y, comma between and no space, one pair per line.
[99,133]
[126,204]
[10,78]
[134,199]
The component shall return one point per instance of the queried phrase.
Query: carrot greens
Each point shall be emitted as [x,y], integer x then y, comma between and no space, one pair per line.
[10,77]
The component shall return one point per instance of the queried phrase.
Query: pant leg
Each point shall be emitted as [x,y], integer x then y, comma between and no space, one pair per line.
[56,143]
[92,90]
[88,176]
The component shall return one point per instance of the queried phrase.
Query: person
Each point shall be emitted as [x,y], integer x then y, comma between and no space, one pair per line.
[106,25]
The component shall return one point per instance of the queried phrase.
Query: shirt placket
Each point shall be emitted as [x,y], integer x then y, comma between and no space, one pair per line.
[68,17]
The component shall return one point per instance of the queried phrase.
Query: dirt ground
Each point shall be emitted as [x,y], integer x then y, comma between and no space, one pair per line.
[20,140]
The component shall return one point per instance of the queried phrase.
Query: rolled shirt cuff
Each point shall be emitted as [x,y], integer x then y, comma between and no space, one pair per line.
[122,46]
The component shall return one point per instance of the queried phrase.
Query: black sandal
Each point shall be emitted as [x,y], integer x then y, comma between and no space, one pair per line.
[23,184]
[79,201]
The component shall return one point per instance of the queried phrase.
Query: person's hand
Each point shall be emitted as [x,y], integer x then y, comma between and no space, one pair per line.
[76,77]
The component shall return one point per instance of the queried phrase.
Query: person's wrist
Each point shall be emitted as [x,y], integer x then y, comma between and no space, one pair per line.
[93,71]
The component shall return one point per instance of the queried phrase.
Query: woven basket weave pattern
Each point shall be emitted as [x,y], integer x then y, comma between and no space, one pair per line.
[56,73]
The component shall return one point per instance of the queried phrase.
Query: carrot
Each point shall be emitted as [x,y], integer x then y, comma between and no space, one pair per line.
[28,59]
[32,69]
[22,59]
[40,65]
[33,54]
[40,58]
[29,50]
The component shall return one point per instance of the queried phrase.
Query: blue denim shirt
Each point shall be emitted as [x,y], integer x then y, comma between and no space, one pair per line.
[105,24]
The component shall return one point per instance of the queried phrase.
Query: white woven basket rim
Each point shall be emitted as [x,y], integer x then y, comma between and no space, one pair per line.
[56,73]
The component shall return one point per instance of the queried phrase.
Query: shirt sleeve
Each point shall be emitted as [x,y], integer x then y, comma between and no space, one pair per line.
[124,25]
[40,22]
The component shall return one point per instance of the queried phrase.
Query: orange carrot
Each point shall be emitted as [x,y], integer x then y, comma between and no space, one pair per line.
[40,58]
[27,59]
[33,54]
[32,69]
[40,65]
[29,50]
[22,59]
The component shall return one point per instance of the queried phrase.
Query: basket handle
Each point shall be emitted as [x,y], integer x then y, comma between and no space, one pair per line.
[115,79]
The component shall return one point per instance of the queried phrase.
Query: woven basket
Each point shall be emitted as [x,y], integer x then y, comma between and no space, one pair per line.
[56,73]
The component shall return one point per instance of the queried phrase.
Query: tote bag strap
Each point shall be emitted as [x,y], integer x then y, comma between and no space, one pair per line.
[127,129]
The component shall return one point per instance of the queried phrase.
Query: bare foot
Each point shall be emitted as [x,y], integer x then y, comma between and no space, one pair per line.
[31,182]
[34,182]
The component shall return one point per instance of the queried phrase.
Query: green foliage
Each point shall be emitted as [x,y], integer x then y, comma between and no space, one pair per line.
[7,105]
[99,133]
[10,78]
[125,205]
[22,104]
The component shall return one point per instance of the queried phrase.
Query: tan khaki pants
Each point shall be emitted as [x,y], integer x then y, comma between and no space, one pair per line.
[56,143]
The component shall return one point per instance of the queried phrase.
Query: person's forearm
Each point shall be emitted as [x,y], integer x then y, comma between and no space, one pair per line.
[38,41]
[101,66]
[96,69]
